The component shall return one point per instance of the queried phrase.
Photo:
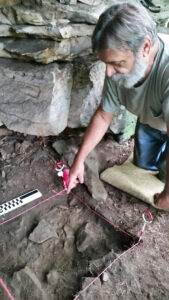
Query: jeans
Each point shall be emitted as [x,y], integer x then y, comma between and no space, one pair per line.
[150,151]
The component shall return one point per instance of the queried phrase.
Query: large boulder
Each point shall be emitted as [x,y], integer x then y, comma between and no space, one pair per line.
[35,99]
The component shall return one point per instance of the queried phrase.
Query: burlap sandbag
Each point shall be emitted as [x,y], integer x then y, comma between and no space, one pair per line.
[140,183]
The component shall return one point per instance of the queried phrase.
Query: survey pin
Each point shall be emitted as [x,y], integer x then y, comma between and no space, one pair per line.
[148,219]
[64,173]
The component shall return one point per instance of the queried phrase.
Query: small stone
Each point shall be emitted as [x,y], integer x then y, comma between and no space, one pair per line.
[17,147]
[5,132]
[91,2]
[65,1]
[73,2]
[3,154]
[3,174]
[42,233]
[72,201]
[53,277]
[69,2]
[105,277]
[25,145]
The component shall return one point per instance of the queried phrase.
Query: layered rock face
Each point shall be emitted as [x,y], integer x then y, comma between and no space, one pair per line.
[49,77]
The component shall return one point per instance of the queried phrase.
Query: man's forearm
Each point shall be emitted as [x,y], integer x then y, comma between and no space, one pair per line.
[94,133]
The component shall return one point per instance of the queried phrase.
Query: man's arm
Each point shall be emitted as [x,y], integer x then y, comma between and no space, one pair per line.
[162,200]
[94,133]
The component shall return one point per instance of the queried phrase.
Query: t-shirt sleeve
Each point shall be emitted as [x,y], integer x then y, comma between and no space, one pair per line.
[165,105]
[110,102]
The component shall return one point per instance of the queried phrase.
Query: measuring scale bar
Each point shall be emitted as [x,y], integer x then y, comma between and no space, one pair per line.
[19,201]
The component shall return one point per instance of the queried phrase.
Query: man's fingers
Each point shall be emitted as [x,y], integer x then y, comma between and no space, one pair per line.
[76,176]
[70,186]
[72,183]
[81,178]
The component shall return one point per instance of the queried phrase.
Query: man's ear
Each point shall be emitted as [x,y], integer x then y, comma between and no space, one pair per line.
[147,47]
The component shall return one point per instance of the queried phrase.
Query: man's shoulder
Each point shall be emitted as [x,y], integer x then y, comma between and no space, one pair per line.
[163,67]
[165,39]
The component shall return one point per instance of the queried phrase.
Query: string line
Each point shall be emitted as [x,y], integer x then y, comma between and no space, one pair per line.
[6,289]
[102,217]
[108,267]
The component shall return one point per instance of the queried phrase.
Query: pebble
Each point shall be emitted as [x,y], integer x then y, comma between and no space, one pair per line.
[105,277]
[3,174]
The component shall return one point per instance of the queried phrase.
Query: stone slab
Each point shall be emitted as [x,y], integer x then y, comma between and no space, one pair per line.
[42,233]
[62,31]
[45,51]
[34,99]
[91,2]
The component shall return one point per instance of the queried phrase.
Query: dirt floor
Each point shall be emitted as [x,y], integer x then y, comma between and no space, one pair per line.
[55,250]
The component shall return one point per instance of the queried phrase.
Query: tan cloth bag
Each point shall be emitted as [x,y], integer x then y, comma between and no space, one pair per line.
[140,183]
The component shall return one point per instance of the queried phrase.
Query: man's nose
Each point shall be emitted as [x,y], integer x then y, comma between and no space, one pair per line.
[110,70]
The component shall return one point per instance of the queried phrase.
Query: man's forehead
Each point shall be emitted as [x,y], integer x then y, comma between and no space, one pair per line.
[115,55]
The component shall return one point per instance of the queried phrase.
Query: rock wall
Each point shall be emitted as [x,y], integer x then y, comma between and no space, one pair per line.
[48,74]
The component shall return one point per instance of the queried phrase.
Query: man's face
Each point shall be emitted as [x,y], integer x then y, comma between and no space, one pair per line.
[125,68]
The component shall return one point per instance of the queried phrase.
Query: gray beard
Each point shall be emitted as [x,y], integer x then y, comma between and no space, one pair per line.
[132,78]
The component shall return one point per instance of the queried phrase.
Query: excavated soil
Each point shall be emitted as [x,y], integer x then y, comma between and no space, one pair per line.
[55,250]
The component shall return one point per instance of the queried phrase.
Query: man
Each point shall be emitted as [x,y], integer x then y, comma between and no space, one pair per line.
[137,76]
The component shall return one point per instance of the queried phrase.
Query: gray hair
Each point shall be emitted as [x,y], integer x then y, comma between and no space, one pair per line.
[125,25]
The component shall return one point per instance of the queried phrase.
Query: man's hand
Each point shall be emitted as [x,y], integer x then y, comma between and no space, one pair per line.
[76,175]
[94,133]
[162,200]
